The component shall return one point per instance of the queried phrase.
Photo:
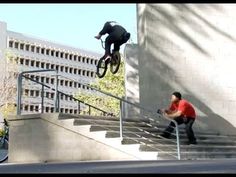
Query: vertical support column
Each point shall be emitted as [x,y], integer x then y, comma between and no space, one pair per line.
[56,94]
[19,92]
[42,100]
[121,119]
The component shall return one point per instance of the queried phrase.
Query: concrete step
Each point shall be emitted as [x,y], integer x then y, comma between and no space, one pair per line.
[199,155]
[188,148]
[129,140]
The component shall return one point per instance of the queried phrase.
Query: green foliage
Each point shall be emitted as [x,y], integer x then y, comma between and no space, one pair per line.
[110,83]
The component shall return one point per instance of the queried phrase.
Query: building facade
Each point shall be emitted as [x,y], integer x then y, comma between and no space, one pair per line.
[73,65]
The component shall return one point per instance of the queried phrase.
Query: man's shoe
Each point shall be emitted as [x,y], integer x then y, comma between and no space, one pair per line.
[164,135]
[192,142]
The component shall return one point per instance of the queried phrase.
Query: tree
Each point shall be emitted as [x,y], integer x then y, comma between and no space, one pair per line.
[111,83]
[9,71]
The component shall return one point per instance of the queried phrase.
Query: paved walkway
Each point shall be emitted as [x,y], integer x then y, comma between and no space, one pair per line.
[201,166]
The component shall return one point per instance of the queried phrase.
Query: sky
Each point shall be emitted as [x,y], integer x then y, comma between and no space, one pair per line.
[72,24]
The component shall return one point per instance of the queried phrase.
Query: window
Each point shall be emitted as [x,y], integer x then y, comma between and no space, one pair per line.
[62,68]
[75,111]
[57,53]
[16,45]
[47,94]
[79,85]
[79,58]
[71,56]
[32,63]
[83,72]
[62,96]
[47,65]
[36,108]
[42,50]
[37,49]
[75,71]
[71,83]
[27,46]
[61,82]
[27,62]
[92,74]
[62,54]
[52,95]
[31,93]
[79,72]
[57,67]
[66,69]
[26,107]
[37,63]
[71,111]
[21,61]
[47,80]
[52,80]
[32,48]
[75,84]
[87,60]
[62,110]
[11,44]
[91,61]
[42,79]
[66,56]
[71,70]
[83,59]
[37,93]
[52,109]
[87,73]
[52,66]
[66,110]
[42,65]
[52,53]
[96,62]
[31,108]
[75,57]
[66,83]
[22,46]
[47,51]
[26,92]
[47,109]
[37,78]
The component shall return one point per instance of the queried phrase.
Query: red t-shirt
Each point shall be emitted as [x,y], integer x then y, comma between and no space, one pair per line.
[185,107]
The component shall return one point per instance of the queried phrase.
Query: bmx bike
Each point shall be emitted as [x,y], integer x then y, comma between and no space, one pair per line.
[114,62]
[4,142]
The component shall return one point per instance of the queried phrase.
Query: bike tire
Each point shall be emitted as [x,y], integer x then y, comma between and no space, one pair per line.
[3,149]
[114,66]
[101,68]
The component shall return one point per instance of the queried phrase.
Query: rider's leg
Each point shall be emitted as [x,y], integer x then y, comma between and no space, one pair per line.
[108,42]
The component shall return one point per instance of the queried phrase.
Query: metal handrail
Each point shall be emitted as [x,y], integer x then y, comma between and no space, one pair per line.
[19,89]
[138,106]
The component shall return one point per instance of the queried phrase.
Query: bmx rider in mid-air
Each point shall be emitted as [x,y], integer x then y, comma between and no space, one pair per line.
[117,36]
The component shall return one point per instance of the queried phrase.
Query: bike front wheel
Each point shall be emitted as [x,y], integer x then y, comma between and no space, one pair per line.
[115,62]
[101,68]
[3,149]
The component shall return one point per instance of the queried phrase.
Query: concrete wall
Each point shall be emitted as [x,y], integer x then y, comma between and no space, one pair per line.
[38,138]
[189,48]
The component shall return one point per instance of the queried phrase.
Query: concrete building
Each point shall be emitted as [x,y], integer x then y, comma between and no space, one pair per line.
[33,53]
[189,48]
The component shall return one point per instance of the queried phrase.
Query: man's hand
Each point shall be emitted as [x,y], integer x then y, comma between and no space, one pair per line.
[98,36]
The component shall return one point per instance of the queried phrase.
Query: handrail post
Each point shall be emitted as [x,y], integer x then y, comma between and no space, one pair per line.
[78,107]
[177,138]
[121,120]
[42,100]
[19,90]
[56,94]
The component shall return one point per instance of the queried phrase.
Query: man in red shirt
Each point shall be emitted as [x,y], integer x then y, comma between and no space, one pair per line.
[182,112]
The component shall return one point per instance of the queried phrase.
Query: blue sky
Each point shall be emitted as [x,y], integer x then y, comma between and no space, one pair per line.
[71,24]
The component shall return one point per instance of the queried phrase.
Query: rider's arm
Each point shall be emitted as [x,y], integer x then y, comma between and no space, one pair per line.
[105,28]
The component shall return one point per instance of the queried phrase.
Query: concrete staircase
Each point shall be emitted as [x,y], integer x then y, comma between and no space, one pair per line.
[142,140]
[66,137]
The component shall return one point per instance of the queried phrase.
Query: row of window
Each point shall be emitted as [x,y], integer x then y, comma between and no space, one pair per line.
[50,52]
[49,95]
[61,82]
[47,109]
[59,68]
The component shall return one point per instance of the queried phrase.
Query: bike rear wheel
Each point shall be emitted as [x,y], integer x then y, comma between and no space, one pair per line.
[3,149]
[115,62]
[101,68]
